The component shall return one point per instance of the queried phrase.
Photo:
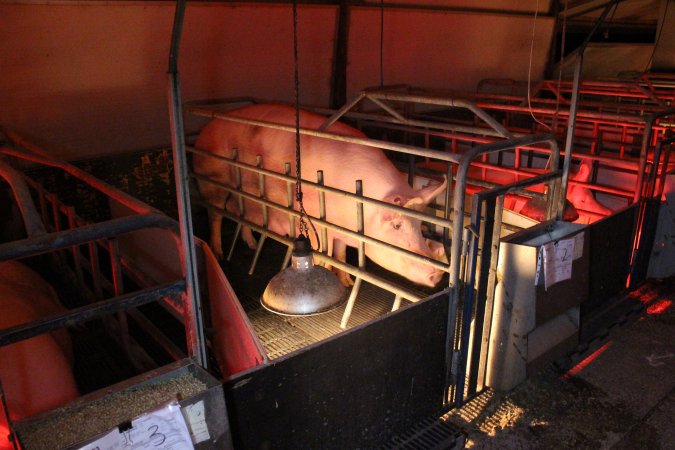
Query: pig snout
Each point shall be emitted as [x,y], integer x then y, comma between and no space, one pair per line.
[425,274]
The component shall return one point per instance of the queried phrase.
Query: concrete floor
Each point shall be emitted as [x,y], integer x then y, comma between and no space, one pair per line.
[619,394]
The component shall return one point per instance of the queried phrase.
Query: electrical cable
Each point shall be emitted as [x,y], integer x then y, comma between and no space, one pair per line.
[529,70]
[560,68]
[658,38]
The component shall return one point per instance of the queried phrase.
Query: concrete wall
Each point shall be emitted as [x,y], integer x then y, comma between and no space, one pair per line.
[89,78]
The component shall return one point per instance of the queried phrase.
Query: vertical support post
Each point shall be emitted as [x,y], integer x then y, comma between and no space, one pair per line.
[362,257]
[265,221]
[194,327]
[291,217]
[338,85]
[95,270]
[118,289]
[75,249]
[322,213]
[571,125]
[240,203]
[397,303]
[489,244]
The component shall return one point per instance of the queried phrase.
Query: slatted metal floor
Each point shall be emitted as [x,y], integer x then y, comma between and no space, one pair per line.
[281,335]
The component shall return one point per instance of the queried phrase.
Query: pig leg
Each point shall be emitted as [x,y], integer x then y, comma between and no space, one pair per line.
[246,232]
[247,236]
[339,252]
[216,198]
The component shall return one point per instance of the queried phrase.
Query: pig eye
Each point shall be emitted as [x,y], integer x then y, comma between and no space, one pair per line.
[396,225]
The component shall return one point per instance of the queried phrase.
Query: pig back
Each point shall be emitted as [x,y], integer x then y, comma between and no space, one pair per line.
[342,163]
[36,373]
[21,281]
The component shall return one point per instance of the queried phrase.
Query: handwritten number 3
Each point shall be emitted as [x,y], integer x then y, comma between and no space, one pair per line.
[157,435]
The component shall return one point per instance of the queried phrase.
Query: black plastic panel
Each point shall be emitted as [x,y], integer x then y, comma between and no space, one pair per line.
[354,390]
[611,246]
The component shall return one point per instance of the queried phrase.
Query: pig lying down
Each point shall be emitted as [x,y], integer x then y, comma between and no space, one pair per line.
[36,373]
[342,164]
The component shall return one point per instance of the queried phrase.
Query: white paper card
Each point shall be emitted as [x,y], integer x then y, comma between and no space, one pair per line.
[558,261]
[196,420]
[163,428]
[537,274]
[578,245]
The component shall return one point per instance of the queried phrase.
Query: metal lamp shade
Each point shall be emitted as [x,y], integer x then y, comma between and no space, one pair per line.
[303,288]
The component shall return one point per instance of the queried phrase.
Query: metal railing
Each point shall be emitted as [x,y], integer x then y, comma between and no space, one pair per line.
[81,247]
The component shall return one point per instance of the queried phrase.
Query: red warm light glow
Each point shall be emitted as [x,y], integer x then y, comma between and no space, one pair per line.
[659,307]
[586,361]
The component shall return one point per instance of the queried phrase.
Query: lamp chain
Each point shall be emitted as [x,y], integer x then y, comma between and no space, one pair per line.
[298,171]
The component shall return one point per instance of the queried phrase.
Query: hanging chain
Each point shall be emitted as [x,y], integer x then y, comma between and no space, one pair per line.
[298,170]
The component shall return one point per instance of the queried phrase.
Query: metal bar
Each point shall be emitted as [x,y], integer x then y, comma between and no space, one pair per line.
[467,306]
[397,303]
[70,216]
[322,213]
[240,204]
[664,172]
[631,165]
[456,247]
[265,219]
[490,292]
[63,239]
[340,112]
[486,248]
[31,219]
[649,127]
[444,126]
[398,117]
[258,250]
[319,187]
[455,103]
[291,218]
[35,154]
[401,148]
[194,327]
[85,313]
[571,124]
[118,289]
[362,257]
[367,239]
[95,270]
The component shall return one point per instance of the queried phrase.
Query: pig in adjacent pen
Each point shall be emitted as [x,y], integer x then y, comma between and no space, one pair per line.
[342,164]
[36,373]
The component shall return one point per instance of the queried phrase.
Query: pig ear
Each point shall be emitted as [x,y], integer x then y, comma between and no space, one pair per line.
[426,194]
[431,191]
[584,171]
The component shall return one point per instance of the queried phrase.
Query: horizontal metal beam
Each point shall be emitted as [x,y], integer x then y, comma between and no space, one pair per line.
[63,239]
[384,145]
[89,312]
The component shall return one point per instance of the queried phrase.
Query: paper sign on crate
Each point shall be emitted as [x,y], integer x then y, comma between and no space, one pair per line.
[556,260]
[163,428]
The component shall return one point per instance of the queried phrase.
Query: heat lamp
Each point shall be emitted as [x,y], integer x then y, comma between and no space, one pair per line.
[302,288]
